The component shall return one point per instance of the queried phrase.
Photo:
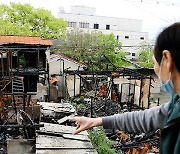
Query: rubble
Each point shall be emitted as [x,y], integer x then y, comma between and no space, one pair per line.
[31,122]
[55,111]
[25,102]
[137,143]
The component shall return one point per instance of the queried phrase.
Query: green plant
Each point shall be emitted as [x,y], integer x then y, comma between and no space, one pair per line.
[79,107]
[81,99]
[22,60]
[74,104]
[82,106]
[100,142]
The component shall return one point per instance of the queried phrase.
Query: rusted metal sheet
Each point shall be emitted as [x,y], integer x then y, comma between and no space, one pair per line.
[24,40]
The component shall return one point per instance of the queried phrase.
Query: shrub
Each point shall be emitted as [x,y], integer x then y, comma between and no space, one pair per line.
[100,142]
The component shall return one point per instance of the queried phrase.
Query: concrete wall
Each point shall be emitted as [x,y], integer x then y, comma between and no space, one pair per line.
[157,93]
[116,24]
[42,92]
[70,85]
[126,84]
[56,66]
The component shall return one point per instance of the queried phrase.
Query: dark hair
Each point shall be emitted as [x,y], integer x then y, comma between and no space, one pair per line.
[169,39]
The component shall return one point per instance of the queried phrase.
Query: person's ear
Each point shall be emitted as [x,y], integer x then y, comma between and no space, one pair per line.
[167,60]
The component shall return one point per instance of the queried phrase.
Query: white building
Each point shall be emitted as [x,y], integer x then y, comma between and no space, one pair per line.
[127,31]
[57,64]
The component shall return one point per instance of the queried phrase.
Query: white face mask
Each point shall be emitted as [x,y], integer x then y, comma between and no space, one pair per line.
[168,86]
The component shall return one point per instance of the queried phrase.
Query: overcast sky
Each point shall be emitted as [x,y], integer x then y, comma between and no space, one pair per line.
[155,14]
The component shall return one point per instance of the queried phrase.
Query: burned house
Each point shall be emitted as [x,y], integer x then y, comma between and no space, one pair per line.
[23,57]
[23,66]
[58,63]
[24,73]
[126,87]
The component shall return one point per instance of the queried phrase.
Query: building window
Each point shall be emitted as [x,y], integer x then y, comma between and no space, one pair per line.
[108,27]
[117,37]
[128,53]
[141,38]
[133,54]
[126,37]
[96,26]
[71,24]
[83,25]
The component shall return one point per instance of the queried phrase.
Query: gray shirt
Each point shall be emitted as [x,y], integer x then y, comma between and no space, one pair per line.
[138,121]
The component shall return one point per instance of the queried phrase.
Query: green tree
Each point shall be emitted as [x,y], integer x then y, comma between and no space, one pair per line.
[23,19]
[93,49]
[145,56]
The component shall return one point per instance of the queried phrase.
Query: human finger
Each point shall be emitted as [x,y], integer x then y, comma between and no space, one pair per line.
[77,131]
[78,125]
[73,118]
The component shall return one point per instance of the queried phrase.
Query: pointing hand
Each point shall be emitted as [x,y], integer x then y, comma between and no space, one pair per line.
[84,123]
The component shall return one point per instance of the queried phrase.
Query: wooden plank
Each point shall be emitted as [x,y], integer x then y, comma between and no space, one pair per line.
[76,137]
[44,141]
[60,128]
[67,143]
[67,151]
[64,119]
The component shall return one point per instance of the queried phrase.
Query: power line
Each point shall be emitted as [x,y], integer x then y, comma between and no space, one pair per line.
[157,2]
[136,47]
[150,13]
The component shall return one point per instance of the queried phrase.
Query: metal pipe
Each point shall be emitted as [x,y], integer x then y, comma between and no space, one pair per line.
[48,83]
[74,85]
[91,107]
[24,103]
[140,95]
[149,94]
[38,59]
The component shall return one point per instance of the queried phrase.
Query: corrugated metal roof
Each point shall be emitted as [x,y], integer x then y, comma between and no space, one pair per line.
[33,40]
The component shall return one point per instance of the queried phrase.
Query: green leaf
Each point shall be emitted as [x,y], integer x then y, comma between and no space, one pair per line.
[23,19]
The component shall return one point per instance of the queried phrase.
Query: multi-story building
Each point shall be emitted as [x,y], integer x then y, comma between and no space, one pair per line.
[127,31]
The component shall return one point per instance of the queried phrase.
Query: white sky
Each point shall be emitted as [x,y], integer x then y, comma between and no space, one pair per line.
[156,14]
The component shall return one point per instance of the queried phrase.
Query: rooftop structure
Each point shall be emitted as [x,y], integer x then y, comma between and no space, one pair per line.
[33,40]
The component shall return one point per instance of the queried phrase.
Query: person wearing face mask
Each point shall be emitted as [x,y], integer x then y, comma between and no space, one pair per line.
[165,117]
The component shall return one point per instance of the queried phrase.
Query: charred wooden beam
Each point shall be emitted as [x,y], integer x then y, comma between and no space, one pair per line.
[22,126]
